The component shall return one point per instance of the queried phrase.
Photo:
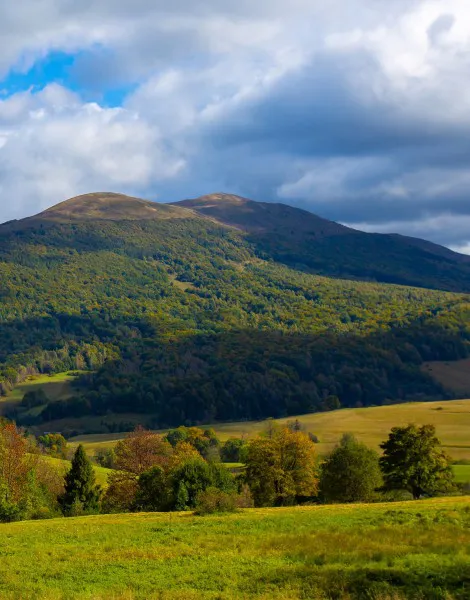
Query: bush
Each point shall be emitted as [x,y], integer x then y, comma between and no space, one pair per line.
[244,499]
[213,501]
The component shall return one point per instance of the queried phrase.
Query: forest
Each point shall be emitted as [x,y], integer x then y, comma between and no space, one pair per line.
[187,321]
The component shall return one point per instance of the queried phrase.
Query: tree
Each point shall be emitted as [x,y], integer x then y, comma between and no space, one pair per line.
[204,441]
[152,490]
[194,476]
[188,480]
[232,450]
[351,473]
[35,398]
[281,468]
[106,457]
[121,492]
[141,450]
[54,444]
[29,486]
[81,495]
[413,460]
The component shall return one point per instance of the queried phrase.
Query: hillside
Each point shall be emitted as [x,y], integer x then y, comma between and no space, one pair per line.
[348,552]
[305,241]
[371,425]
[181,318]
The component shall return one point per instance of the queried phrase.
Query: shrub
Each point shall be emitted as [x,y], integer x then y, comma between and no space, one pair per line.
[213,501]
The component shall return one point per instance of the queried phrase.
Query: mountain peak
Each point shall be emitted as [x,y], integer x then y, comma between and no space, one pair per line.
[110,206]
[253,216]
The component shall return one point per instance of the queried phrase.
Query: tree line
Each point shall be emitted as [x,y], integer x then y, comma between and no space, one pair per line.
[182,470]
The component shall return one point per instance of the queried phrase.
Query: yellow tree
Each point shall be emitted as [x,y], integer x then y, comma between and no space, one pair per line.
[281,468]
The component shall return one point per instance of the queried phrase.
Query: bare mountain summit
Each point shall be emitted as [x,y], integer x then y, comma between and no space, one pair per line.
[110,206]
[260,217]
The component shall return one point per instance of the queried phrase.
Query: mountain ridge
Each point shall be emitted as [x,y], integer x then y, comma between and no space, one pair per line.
[193,320]
[231,210]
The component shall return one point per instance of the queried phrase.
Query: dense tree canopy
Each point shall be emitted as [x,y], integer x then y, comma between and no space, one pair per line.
[281,467]
[185,321]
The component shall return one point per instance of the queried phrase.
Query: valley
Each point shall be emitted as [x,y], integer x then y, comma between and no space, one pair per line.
[369,425]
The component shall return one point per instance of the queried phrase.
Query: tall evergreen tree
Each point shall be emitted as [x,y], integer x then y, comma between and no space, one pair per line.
[81,495]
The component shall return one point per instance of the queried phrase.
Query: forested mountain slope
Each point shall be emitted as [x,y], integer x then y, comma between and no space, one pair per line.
[305,241]
[185,319]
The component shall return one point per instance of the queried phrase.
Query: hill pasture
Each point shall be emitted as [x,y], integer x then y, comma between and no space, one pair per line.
[56,387]
[371,425]
[394,551]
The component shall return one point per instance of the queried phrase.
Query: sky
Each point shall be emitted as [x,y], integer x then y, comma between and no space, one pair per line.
[358,111]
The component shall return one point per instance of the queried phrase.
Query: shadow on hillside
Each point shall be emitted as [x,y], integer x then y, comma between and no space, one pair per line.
[236,375]
[366,257]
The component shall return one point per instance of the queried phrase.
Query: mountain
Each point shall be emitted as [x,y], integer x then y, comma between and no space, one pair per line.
[305,241]
[104,206]
[212,309]
[264,217]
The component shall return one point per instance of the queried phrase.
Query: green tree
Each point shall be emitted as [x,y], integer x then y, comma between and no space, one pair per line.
[232,450]
[413,460]
[351,473]
[152,491]
[54,444]
[188,479]
[81,495]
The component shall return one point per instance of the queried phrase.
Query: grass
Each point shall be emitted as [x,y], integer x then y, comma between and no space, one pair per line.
[370,425]
[462,473]
[454,375]
[57,387]
[414,550]
[101,473]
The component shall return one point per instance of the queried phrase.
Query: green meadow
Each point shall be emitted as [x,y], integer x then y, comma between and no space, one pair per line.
[411,550]
[57,387]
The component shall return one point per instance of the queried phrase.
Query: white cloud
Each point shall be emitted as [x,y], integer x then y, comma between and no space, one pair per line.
[58,147]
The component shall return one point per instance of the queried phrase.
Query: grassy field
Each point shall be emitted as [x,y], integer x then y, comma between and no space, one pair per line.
[370,425]
[462,473]
[56,387]
[415,550]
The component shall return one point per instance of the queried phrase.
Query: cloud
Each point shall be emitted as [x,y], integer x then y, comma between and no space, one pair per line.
[52,147]
[360,114]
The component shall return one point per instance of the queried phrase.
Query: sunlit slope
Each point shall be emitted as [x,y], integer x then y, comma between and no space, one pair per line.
[370,425]
[402,550]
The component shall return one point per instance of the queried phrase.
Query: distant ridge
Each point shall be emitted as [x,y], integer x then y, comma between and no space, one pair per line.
[249,215]
[281,233]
